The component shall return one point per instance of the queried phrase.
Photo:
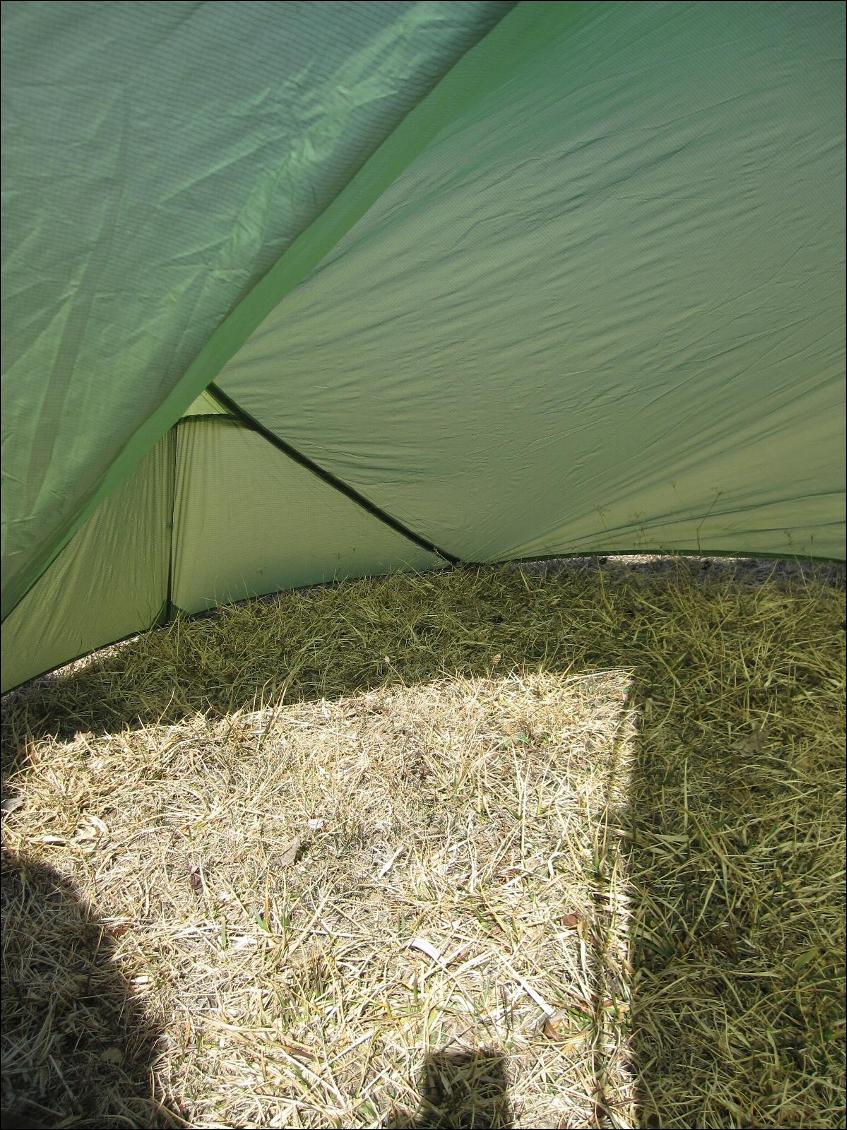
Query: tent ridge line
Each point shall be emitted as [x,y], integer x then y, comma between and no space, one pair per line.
[466,81]
[330,479]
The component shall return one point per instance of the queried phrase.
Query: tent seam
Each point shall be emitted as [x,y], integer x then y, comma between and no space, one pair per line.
[381,169]
[332,480]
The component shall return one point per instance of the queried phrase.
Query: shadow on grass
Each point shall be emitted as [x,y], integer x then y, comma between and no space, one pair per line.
[76,1049]
[332,641]
[717,1028]
[460,1090]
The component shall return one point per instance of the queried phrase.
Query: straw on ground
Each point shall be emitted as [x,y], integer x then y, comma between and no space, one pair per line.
[480,848]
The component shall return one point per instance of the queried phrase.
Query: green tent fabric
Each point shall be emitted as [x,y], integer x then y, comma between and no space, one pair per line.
[294,292]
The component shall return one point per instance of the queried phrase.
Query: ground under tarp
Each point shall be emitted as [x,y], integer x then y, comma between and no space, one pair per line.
[510,847]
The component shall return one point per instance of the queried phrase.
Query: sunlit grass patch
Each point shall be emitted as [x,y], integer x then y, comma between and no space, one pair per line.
[572,845]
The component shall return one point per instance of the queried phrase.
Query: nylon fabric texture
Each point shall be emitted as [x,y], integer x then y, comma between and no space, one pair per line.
[603,310]
[159,159]
[220,512]
[507,281]
[111,581]
[249,521]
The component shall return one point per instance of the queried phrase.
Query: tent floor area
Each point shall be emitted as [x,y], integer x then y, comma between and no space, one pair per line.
[553,845]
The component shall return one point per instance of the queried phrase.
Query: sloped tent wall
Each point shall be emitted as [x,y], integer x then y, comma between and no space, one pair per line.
[249,521]
[158,160]
[585,296]
[109,582]
[603,309]
[214,514]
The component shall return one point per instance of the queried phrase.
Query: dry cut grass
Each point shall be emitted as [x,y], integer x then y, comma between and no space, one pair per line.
[487,848]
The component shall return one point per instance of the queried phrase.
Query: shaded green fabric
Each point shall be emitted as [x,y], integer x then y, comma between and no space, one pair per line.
[205,405]
[110,581]
[249,520]
[159,159]
[552,278]
[603,309]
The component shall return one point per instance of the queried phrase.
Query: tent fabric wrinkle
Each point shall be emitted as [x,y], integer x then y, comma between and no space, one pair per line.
[299,292]
[160,159]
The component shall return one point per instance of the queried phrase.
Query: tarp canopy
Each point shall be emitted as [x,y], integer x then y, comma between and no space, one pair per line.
[295,292]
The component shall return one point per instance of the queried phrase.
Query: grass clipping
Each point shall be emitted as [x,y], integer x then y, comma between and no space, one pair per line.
[485,848]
